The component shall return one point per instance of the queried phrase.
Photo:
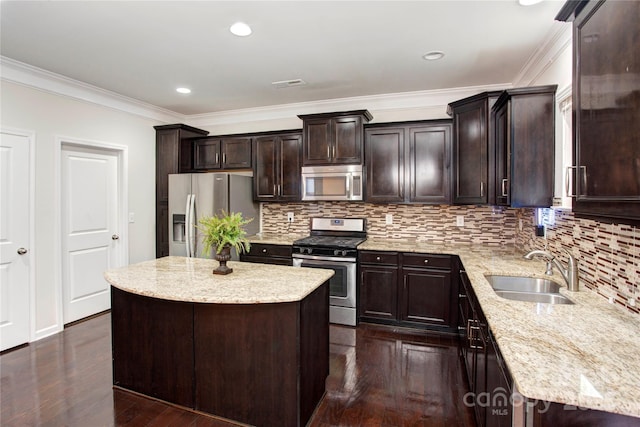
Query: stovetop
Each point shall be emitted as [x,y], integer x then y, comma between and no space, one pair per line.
[330,242]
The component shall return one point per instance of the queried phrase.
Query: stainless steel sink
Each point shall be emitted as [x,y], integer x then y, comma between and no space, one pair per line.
[523,284]
[534,297]
[530,289]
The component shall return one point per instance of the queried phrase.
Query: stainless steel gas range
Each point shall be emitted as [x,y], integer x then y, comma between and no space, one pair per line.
[333,244]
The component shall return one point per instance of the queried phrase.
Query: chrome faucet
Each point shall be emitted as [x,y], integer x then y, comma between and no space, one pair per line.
[569,274]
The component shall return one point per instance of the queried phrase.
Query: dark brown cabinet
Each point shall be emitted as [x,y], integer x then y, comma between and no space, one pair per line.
[173,155]
[473,149]
[525,144]
[222,153]
[427,290]
[333,138]
[378,299]
[268,254]
[276,167]
[606,107]
[408,289]
[408,162]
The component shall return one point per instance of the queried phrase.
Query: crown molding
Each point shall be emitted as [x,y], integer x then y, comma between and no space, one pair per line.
[27,75]
[557,41]
[384,102]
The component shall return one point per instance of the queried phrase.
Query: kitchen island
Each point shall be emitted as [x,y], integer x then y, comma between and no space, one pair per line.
[252,346]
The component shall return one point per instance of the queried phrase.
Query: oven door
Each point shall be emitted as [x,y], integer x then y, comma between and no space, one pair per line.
[342,286]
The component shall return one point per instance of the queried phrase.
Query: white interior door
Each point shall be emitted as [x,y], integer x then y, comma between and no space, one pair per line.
[90,229]
[14,240]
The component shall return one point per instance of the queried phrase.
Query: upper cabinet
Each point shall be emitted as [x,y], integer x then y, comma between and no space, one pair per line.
[173,155]
[408,162]
[473,149]
[333,138]
[525,142]
[276,167]
[222,153]
[606,107]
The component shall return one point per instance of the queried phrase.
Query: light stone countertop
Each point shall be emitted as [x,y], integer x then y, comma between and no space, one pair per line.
[191,280]
[275,239]
[586,354]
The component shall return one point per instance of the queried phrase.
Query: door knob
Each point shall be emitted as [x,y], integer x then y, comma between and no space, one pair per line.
[22,251]
[115,237]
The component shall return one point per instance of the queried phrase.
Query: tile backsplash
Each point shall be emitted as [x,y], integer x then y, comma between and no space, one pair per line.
[608,255]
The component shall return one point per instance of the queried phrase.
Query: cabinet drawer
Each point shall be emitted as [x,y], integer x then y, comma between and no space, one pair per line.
[426,261]
[379,258]
[261,249]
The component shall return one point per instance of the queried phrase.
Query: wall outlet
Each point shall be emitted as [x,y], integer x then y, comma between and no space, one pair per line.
[290,217]
[388,219]
[460,220]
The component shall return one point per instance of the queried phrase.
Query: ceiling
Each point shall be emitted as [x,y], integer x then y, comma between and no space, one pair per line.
[146,49]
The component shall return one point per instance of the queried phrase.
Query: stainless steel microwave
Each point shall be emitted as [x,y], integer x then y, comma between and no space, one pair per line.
[341,182]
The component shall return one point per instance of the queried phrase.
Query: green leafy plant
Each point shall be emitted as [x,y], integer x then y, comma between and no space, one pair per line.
[224,229]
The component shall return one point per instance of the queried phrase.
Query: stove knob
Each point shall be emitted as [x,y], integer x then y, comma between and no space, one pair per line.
[344,253]
[336,252]
[309,250]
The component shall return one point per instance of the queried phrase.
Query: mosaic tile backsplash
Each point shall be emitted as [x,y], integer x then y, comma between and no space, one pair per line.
[609,255]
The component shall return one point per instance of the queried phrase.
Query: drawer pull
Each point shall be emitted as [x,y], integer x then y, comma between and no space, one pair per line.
[264,251]
[426,261]
[377,258]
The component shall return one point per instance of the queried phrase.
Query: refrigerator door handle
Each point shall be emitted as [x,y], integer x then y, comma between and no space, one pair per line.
[192,221]
[187,225]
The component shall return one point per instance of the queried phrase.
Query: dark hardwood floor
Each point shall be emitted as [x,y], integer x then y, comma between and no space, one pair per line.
[379,376]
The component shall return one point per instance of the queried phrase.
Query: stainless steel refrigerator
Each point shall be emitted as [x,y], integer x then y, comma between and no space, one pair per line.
[192,196]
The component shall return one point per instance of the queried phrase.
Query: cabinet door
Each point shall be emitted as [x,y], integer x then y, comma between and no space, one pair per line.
[498,411]
[265,167]
[607,107]
[426,297]
[384,152]
[236,153]
[347,140]
[429,164]
[470,154]
[290,154]
[379,292]
[206,154]
[503,155]
[466,318]
[317,142]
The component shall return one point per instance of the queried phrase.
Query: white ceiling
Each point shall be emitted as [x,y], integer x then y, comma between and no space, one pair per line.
[145,49]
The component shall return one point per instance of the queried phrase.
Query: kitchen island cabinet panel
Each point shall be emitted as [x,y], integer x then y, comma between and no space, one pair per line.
[143,360]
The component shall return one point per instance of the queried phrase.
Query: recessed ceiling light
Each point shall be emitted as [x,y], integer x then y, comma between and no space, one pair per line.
[528,2]
[434,55]
[240,29]
[183,90]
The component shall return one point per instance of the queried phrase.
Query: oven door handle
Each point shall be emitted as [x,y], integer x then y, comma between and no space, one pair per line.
[324,258]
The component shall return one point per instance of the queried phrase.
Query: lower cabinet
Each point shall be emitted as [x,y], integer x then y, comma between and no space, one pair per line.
[489,380]
[268,254]
[408,289]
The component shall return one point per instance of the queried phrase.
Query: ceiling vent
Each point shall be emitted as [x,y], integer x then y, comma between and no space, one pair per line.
[288,83]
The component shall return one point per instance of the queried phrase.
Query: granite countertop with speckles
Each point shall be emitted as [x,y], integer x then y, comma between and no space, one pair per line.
[191,280]
[586,354]
[275,239]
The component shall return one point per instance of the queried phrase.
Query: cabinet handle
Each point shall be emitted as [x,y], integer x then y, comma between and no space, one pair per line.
[275,190]
[333,151]
[224,158]
[567,179]
[264,251]
[482,189]
[504,187]
[217,157]
[462,295]
[377,258]
[426,261]
[328,152]
[279,190]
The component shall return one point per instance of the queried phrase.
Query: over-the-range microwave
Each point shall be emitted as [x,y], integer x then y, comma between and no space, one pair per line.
[340,182]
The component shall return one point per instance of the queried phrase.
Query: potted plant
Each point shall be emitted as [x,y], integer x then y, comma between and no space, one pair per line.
[221,233]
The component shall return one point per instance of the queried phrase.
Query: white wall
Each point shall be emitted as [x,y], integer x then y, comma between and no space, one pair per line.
[51,116]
